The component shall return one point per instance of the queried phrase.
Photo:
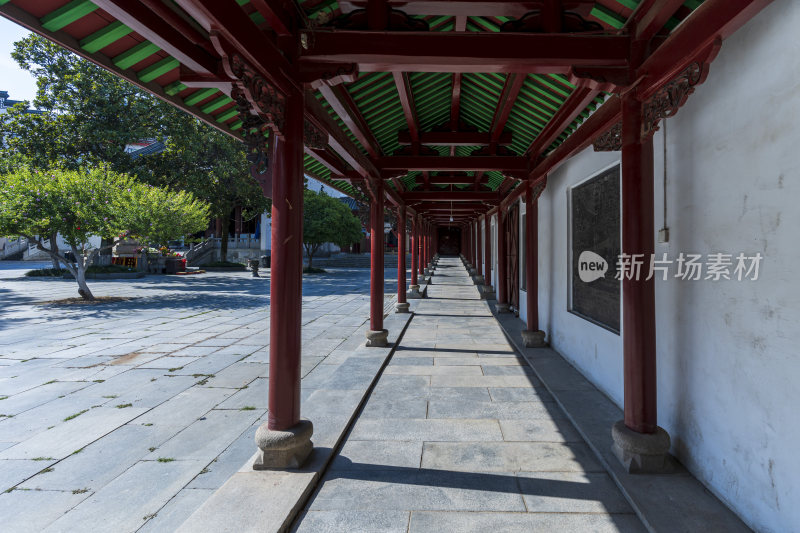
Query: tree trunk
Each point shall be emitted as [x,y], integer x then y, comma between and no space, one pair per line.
[310,259]
[223,249]
[80,275]
[54,248]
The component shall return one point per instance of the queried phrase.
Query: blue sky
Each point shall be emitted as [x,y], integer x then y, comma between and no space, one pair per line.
[19,84]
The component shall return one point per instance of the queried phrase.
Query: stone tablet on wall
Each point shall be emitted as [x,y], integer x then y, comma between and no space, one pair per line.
[594,292]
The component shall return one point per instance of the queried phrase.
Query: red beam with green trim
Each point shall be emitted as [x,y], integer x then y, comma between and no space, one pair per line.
[465,51]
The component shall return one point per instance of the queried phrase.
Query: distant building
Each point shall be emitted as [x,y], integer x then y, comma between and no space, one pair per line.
[6,102]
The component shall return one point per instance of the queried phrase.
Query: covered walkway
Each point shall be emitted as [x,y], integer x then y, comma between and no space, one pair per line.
[459,435]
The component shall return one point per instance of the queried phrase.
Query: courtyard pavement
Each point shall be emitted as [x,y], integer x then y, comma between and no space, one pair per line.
[459,435]
[127,416]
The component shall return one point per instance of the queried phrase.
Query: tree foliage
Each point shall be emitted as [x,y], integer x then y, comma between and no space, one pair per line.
[79,204]
[326,219]
[87,117]
[87,114]
[209,163]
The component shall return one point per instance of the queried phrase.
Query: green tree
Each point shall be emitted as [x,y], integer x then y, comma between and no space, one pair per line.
[326,219]
[210,164]
[79,204]
[87,115]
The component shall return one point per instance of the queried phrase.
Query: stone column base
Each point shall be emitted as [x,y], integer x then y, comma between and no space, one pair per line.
[402,307]
[413,292]
[284,449]
[503,308]
[426,272]
[533,339]
[378,339]
[477,279]
[642,453]
[472,271]
[487,292]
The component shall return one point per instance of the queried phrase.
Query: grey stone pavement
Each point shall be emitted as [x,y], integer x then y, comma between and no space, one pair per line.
[127,416]
[459,435]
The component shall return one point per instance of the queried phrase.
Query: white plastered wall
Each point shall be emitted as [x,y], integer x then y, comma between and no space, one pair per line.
[728,362]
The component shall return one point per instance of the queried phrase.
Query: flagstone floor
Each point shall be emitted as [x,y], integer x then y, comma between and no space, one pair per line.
[459,435]
[127,416]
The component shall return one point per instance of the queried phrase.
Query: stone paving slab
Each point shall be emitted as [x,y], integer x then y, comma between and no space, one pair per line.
[188,353]
[330,406]
[472,442]
[675,502]
[523,522]
[338,521]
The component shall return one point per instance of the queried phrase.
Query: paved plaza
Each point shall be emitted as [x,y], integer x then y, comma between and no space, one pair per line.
[127,416]
[459,435]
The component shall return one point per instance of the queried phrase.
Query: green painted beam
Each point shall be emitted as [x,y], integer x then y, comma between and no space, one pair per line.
[102,38]
[227,115]
[67,14]
[630,4]
[4,2]
[174,88]
[236,125]
[215,104]
[609,17]
[155,70]
[199,96]
[141,51]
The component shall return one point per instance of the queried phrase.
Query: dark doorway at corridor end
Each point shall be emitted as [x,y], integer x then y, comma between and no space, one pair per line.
[449,241]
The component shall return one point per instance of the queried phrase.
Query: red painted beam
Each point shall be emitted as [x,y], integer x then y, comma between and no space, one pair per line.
[424,206]
[448,196]
[650,17]
[241,32]
[456,180]
[455,102]
[455,138]
[446,163]
[474,8]
[338,140]
[160,32]
[278,15]
[466,51]
[407,102]
[569,110]
[601,120]
[713,20]
[504,105]
[343,104]
[331,162]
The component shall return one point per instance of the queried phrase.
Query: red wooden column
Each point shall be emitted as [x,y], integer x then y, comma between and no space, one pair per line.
[487,251]
[468,252]
[285,440]
[502,288]
[413,289]
[477,244]
[421,245]
[376,336]
[638,441]
[402,303]
[426,237]
[533,337]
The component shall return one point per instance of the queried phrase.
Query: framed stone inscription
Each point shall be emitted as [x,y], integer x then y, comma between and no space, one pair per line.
[594,209]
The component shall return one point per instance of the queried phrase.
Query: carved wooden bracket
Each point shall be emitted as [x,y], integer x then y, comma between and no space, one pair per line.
[313,137]
[671,97]
[264,98]
[610,141]
[538,189]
